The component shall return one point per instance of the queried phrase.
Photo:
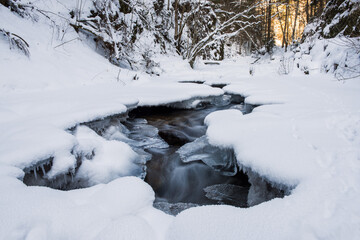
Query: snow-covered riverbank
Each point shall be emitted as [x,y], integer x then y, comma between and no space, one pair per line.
[306,135]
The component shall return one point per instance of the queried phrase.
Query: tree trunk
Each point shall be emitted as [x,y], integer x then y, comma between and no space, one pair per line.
[321,7]
[286,35]
[307,11]
[295,20]
[281,26]
[6,3]
[176,20]
[268,38]
[180,31]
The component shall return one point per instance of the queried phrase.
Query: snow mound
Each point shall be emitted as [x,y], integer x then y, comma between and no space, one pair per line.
[309,142]
[106,160]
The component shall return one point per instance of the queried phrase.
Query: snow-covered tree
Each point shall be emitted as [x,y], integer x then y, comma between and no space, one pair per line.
[339,27]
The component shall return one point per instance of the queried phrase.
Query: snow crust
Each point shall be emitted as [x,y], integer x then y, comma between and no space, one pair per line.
[45,97]
[37,105]
[103,211]
[306,136]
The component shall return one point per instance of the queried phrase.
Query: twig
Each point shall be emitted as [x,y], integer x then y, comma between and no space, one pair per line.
[118,74]
[118,78]
[257,59]
[67,42]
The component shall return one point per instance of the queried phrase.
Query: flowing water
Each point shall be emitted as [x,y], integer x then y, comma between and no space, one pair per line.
[178,184]
[175,157]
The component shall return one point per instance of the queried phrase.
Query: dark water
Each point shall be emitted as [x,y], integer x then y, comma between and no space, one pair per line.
[182,174]
[180,185]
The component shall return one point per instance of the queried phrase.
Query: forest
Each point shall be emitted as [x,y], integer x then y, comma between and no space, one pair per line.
[201,28]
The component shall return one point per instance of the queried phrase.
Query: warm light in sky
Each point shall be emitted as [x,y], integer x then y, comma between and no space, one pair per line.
[278,21]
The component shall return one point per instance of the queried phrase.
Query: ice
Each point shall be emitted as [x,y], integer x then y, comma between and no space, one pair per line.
[199,103]
[173,208]
[228,194]
[117,132]
[220,159]
[239,107]
[222,100]
[144,135]
[260,190]
[135,132]
[194,103]
[42,169]
[139,135]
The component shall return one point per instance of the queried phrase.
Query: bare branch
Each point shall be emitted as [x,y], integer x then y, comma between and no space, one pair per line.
[214,36]
[17,42]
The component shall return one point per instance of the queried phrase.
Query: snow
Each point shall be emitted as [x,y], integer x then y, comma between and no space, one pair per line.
[111,160]
[89,213]
[305,137]
[42,98]
[56,110]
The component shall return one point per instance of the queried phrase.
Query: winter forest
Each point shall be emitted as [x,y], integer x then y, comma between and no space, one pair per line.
[180,119]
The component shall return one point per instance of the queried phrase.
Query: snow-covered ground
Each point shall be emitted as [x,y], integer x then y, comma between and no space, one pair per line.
[306,136]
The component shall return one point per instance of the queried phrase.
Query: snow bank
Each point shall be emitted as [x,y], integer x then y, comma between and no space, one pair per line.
[306,138]
[123,204]
[59,87]
[110,160]
[43,99]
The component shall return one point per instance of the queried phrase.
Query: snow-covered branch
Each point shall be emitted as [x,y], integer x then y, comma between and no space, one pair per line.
[243,18]
[15,41]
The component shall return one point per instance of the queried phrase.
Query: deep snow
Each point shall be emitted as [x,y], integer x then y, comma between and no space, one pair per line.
[306,136]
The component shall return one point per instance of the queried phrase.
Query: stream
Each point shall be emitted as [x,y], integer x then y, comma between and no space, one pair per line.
[175,158]
[180,182]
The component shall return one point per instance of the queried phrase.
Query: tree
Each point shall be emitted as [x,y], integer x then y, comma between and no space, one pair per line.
[228,24]
[293,15]
[269,30]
